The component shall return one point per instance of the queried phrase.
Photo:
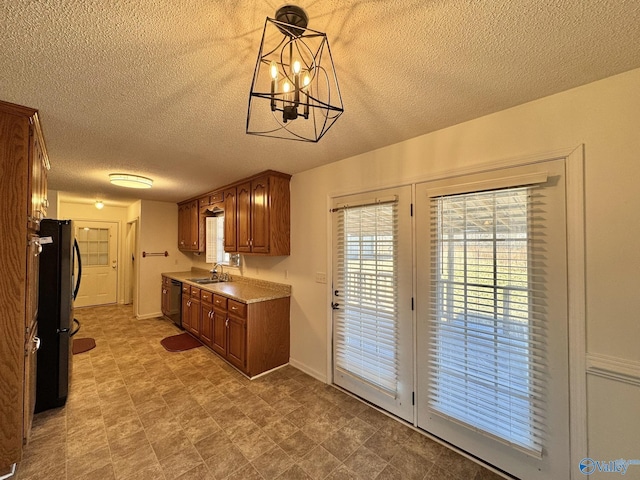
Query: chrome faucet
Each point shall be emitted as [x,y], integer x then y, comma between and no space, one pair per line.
[214,272]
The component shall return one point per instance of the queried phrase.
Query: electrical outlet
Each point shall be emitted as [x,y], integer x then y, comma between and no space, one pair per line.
[321,277]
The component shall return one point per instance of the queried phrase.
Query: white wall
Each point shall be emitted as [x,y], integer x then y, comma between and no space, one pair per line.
[605,117]
[158,232]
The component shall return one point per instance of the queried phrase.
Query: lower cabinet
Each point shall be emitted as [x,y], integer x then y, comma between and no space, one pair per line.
[253,337]
[206,318]
[191,310]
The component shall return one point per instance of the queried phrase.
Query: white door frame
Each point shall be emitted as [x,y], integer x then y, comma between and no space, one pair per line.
[576,273]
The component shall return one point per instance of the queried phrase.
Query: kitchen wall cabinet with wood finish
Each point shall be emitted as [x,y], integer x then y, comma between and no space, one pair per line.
[263,215]
[189,229]
[23,203]
[256,216]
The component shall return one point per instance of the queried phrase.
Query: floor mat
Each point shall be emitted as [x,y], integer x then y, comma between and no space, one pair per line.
[81,345]
[180,343]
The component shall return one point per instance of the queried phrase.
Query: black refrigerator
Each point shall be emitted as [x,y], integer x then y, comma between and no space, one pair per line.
[60,273]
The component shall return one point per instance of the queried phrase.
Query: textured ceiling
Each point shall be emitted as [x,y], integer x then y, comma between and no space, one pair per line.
[160,88]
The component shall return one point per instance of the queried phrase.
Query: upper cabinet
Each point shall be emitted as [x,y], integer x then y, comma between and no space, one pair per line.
[230,220]
[189,227]
[256,216]
[263,216]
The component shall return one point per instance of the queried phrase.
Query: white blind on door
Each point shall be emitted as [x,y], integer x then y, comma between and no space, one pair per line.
[367,284]
[487,317]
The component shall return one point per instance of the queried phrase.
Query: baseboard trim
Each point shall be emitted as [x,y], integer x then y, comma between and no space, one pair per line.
[308,370]
[149,315]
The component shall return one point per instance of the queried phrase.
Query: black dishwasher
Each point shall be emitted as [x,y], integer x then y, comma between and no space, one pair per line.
[175,309]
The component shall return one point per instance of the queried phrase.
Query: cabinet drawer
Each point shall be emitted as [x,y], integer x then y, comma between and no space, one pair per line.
[204,201]
[206,296]
[186,289]
[216,197]
[238,309]
[195,292]
[219,301]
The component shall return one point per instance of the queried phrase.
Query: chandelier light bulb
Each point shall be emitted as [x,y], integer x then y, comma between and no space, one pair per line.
[307,80]
[274,70]
[296,67]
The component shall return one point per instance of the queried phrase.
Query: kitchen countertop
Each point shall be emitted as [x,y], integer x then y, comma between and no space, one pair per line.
[242,289]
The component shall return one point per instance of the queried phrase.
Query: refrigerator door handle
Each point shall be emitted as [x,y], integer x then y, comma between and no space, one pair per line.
[77,251]
[77,329]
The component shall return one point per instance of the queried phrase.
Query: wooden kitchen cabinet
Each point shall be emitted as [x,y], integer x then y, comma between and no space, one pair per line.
[252,337]
[189,228]
[230,220]
[256,216]
[23,190]
[166,296]
[191,309]
[263,215]
[206,318]
[237,334]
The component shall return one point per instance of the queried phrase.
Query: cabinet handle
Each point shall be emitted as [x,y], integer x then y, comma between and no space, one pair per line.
[226,324]
[36,347]
[188,303]
[234,308]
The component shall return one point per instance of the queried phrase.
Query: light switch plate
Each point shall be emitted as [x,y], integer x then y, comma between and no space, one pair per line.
[321,277]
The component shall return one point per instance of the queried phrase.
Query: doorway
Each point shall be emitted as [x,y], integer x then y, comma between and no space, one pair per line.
[98,243]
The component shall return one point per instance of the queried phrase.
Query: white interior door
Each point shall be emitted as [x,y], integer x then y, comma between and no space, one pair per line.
[98,243]
[372,315]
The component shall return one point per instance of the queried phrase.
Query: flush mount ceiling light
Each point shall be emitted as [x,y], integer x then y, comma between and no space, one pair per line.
[294,94]
[99,204]
[130,181]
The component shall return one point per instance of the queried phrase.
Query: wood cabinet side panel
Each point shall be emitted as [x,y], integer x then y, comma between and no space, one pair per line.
[243,199]
[280,218]
[14,150]
[268,335]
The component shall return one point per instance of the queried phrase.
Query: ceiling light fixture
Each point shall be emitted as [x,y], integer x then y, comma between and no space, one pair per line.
[130,181]
[99,204]
[294,94]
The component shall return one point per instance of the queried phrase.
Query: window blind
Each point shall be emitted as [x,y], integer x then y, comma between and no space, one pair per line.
[214,251]
[365,321]
[487,317]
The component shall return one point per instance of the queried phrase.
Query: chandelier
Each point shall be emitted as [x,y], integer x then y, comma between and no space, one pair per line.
[294,94]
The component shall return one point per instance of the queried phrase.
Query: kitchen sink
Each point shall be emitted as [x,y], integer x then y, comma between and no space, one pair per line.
[206,280]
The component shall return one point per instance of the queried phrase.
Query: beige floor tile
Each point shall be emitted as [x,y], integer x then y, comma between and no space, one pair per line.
[136,411]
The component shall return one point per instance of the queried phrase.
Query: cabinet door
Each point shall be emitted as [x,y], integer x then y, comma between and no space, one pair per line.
[194,226]
[36,159]
[186,312]
[194,320]
[165,301]
[30,367]
[260,227]
[183,222]
[219,333]
[206,323]
[237,342]
[244,217]
[230,225]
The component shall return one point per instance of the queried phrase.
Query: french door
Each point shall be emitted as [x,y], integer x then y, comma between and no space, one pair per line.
[372,317]
[492,326]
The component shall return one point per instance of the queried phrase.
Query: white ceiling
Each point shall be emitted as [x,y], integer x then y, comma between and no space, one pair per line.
[160,87]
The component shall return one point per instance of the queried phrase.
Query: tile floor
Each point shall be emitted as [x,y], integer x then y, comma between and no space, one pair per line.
[136,411]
